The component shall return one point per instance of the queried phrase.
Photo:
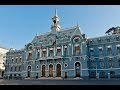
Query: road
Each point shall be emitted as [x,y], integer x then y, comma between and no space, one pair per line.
[59,82]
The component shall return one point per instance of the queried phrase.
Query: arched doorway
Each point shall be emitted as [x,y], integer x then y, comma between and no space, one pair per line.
[77,69]
[50,70]
[43,70]
[28,70]
[58,70]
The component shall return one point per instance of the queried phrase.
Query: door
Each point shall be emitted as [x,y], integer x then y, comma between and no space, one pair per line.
[65,74]
[43,70]
[50,70]
[58,70]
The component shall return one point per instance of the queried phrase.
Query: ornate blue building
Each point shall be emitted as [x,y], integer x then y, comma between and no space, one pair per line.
[66,53]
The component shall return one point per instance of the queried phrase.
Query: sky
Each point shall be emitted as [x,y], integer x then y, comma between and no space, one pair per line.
[20,23]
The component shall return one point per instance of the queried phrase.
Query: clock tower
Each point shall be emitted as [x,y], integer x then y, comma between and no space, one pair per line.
[55,23]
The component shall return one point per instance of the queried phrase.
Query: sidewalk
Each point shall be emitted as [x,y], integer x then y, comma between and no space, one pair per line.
[53,78]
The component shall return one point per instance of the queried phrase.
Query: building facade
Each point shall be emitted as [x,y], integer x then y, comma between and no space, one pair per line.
[66,53]
[3,52]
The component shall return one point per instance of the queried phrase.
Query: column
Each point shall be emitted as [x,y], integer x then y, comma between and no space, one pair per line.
[36,53]
[40,52]
[47,52]
[54,51]
[68,50]
[72,49]
[62,50]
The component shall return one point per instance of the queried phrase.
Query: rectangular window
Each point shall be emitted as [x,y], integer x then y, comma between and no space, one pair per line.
[58,52]
[77,50]
[65,51]
[38,55]
[100,51]
[109,51]
[44,54]
[51,53]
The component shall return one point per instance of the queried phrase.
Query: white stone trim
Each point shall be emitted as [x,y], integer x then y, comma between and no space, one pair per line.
[65,46]
[100,48]
[118,45]
[51,48]
[40,52]
[47,51]
[76,45]
[91,48]
[72,49]
[30,51]
[54,51]
[44,50]
[62,49]
[58,47]
[108,46]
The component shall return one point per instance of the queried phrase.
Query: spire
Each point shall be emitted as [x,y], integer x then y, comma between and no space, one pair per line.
[55,12]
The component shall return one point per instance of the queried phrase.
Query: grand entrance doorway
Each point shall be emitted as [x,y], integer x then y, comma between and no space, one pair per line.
[28,70]
[50,70]
[43,70]
[58,70]
[77,69]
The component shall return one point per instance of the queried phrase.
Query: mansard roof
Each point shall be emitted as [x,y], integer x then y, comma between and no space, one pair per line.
[64,35]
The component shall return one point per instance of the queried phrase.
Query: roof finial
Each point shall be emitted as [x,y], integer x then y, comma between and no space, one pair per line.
[55,12]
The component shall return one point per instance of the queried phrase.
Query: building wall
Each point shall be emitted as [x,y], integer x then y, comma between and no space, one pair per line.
[2,59]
